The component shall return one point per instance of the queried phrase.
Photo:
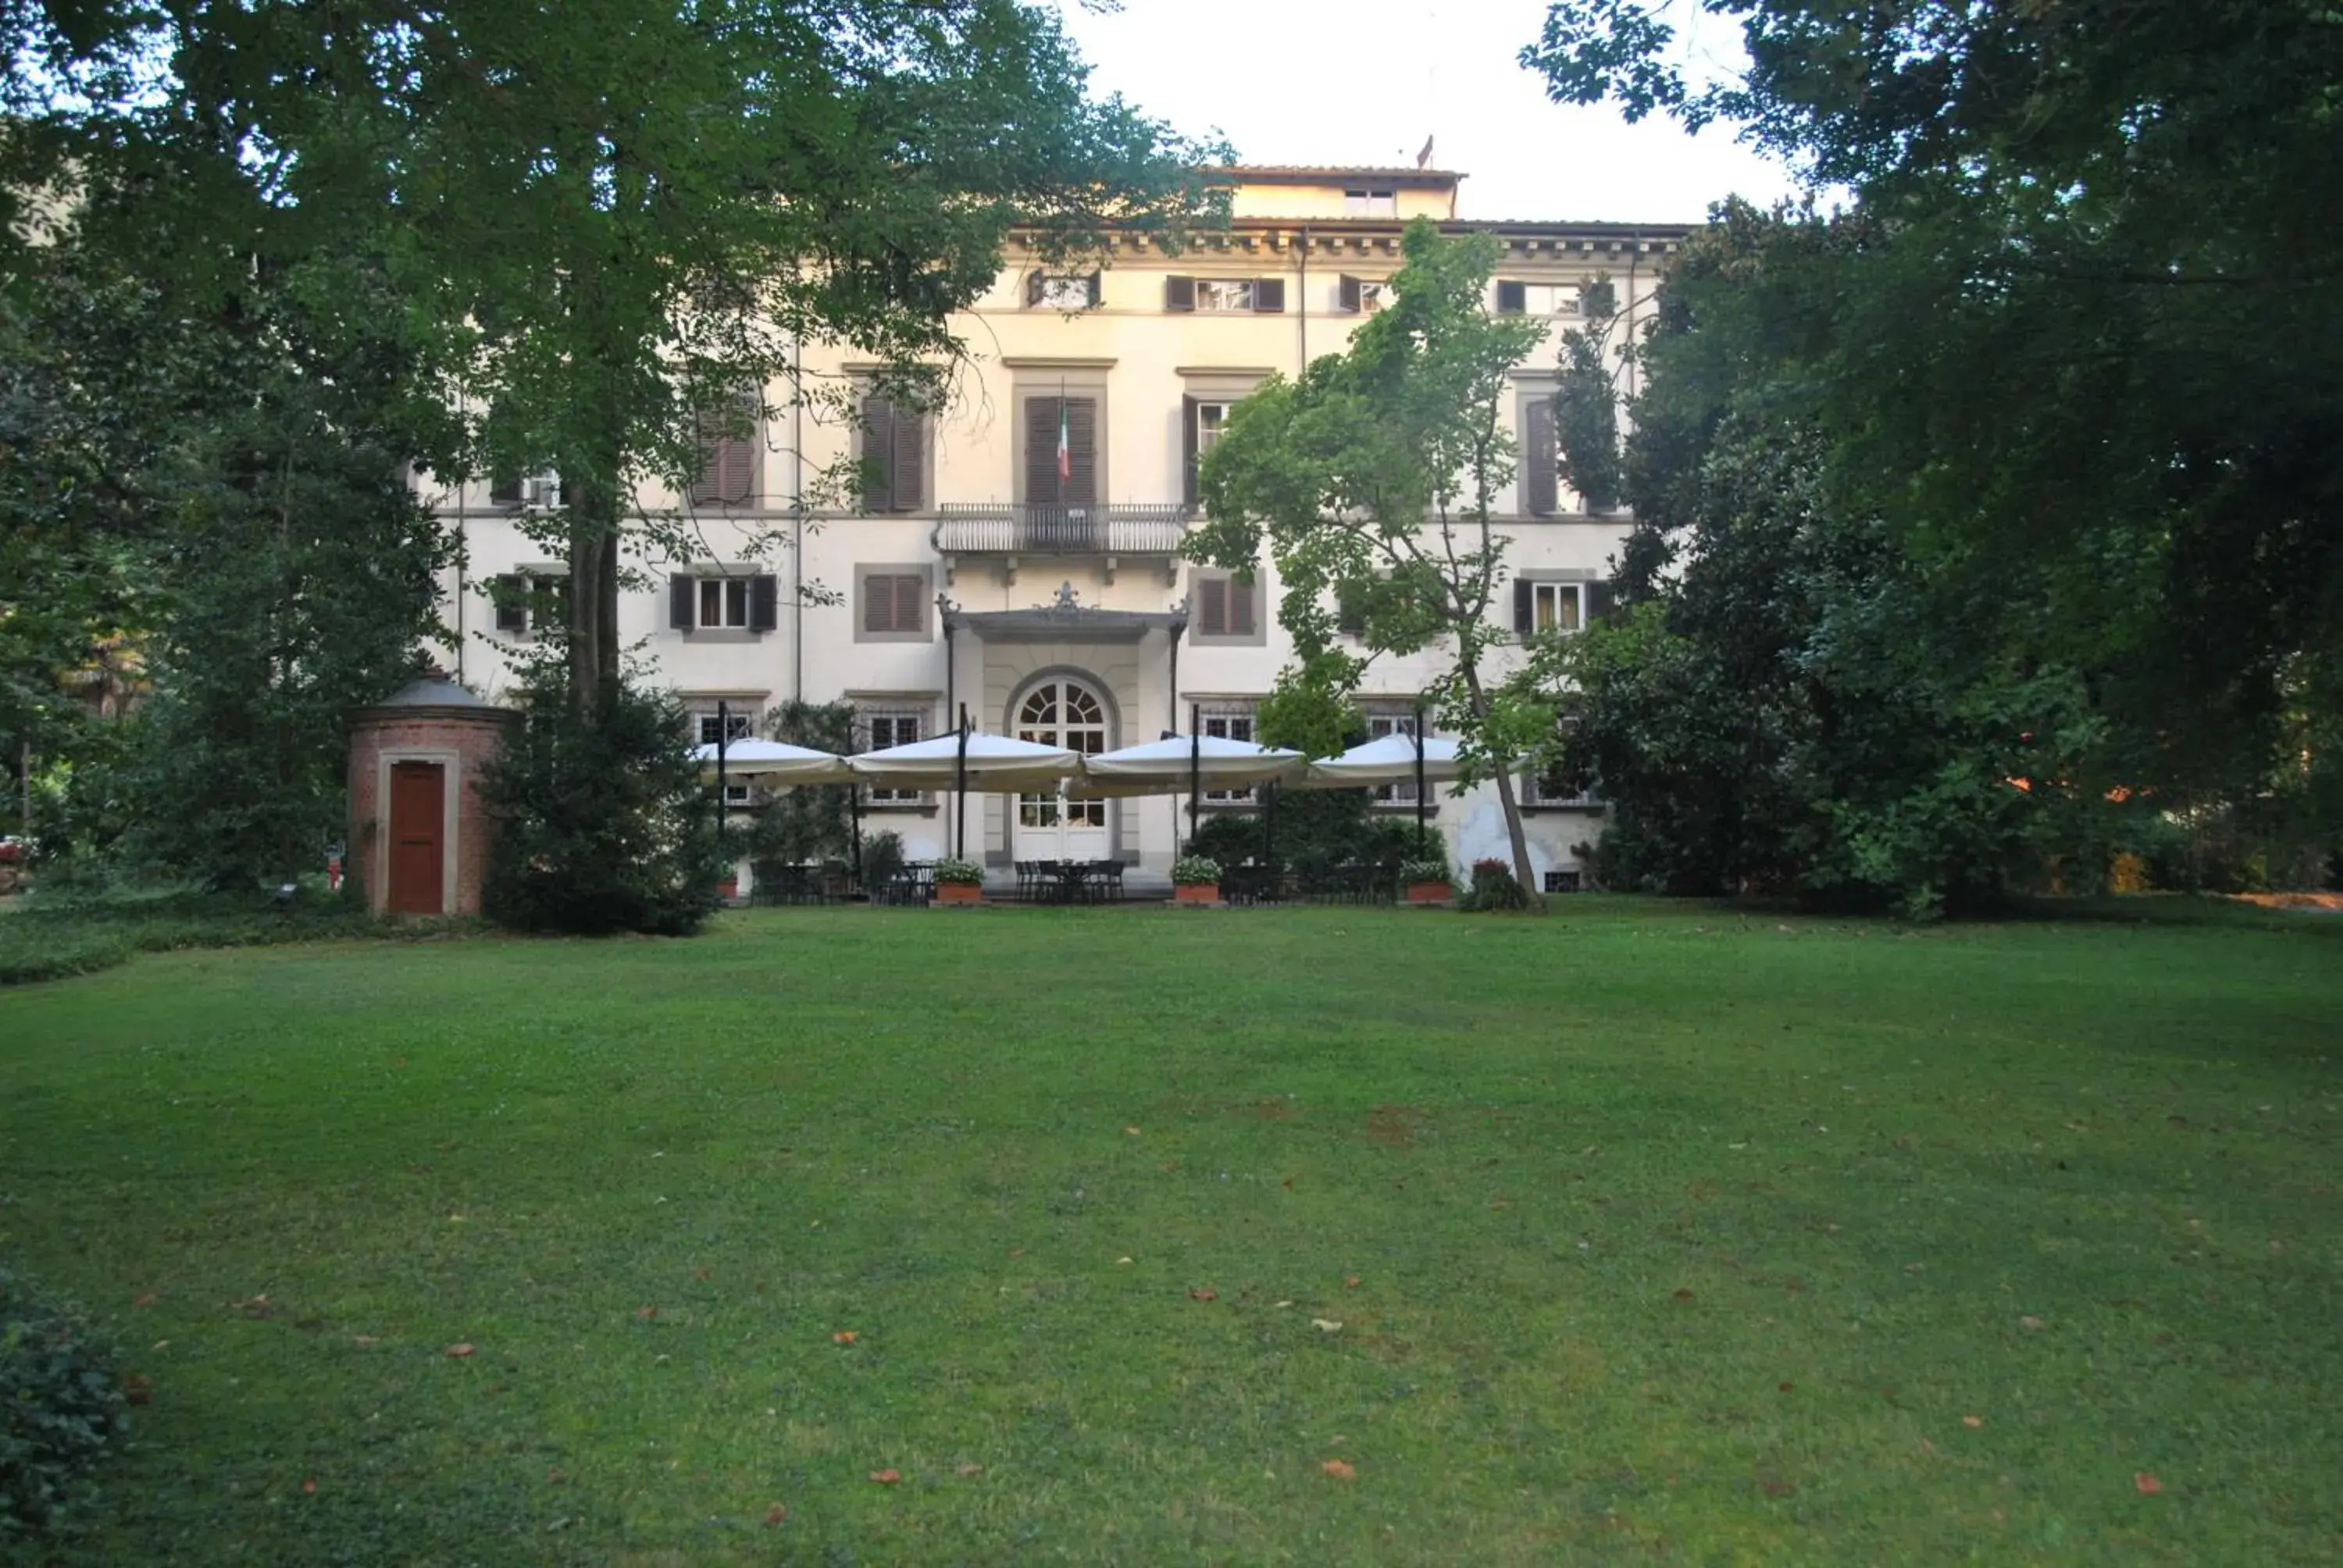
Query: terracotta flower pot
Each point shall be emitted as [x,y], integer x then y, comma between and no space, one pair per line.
[959,893]
[1196,893]
[1430,893]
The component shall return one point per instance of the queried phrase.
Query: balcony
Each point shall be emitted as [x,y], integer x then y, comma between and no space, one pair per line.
[1039,529]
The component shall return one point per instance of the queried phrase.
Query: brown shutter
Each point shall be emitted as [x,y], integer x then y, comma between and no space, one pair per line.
[1347,294]
[1179,293]
[911,590]
[737,471]
[1188,448]
[1512,298]
[878,455]
[1098,288]
[1269,294]
[1525,612]
[908,477]
[680,607]
[1212,607]
[1035,281]
[509,593]
[1081,444]
[1040,450]
[878,603]
[1540,483]
[1241,601]
[764,602]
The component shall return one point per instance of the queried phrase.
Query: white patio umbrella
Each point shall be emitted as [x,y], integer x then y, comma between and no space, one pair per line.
[775,762]
[1189,762]
[992,763]
[1397,758]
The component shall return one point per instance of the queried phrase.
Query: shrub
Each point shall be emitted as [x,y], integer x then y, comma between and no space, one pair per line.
[1495,887]
[59,1406]
[603,825]
[1423,871]
[958,873]
[1191,869]
[883,858]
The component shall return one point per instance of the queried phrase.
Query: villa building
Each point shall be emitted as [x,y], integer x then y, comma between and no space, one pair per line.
[1048,594]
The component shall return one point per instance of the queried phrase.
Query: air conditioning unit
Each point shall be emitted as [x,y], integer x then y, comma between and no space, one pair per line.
[542,490]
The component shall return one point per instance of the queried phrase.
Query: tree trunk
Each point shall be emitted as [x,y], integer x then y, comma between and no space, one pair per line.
[1504,781]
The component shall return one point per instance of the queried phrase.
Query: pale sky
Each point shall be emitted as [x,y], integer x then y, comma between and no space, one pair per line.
[1365,81]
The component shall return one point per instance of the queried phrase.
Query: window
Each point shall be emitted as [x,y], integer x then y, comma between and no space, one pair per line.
[1549,608]
[728,443]
[1556,787]
[1061,465]
[894,604]
[529,603]
[1224,294]
[1562,881]
[1540,458]
[723,601]
[882,728]
[894,455]
[1369,203]
[1230,723]
[1060,291]
[1379,725]
[1224,608]
[1357,295]
[1517,298]
[732,724]
[1202,421]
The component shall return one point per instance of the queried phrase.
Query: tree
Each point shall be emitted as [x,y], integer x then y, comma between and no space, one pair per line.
[1370,482]
[1586,402]
[2085,343]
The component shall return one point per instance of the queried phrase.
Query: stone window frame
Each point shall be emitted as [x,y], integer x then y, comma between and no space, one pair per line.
[1199,638]
[924,571]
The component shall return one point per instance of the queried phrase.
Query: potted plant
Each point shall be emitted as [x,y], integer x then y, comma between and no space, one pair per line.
[1196,880]
[1427,881]
[959,882]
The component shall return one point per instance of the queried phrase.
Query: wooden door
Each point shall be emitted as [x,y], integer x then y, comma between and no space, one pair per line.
[418,817]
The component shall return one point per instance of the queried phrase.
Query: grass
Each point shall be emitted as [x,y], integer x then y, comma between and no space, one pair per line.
[1653,1233]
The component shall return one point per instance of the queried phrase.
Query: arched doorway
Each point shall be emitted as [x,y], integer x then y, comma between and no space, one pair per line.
[1062,711]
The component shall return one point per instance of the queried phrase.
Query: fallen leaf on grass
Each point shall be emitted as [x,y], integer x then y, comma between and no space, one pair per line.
[1915,1268]
[1972,1421]
[2030,1323]
[845,1337]
[459,1352]
[138,1390]
[1351,1282]
[645,1314]
[886,1477]
[1122,1260]
[2148,1485]
[309,1487]
[145,1301]
[1326,1325]
[776,1514]
[972,1470]
[1205,1295]
[1132,1131]
[1684,1296]
[1788,1386]
[365,1341]
[1340,1469]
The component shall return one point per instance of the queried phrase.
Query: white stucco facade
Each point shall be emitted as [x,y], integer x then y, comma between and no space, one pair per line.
[984,623]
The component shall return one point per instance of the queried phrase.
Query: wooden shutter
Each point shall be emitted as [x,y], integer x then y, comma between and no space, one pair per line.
[682,606]
[1346,293]
[1524,611]
[1035,281]
[878,455]
[1241,595]
[910,592]
[737,471]
[1540,465]
[1212,607]
[764,602]
[908,474]
[1179,293]
[509,593]
[1096,288]
[1081,444]
[1269,294]
[1041,451]
[878,603]
[1512,298]
[1188,406]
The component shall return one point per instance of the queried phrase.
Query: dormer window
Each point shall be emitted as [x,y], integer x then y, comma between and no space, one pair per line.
[1369,203]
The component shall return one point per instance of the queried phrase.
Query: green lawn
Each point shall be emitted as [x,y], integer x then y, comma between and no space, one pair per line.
[1652,1233]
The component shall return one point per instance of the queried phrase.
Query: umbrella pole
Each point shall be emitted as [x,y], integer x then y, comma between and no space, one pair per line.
[959,796]
[1195,769]
[1420,835]
[1268,826]
[723,734]
[854,820]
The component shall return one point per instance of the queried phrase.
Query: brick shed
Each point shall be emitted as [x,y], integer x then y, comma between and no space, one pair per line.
[419,832]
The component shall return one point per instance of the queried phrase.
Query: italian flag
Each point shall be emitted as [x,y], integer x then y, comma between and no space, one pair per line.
[1065,445]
